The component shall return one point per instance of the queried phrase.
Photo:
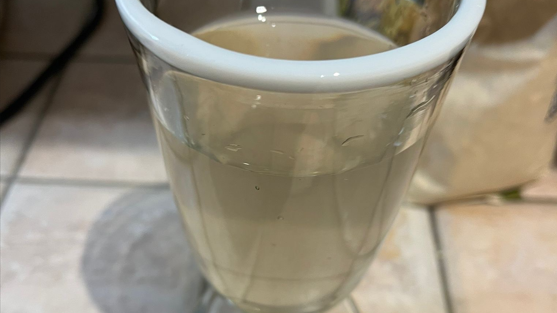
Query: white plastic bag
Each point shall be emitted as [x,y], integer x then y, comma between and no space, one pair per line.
[494,132]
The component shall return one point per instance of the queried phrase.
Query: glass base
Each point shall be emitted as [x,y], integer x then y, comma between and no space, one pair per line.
[212,302]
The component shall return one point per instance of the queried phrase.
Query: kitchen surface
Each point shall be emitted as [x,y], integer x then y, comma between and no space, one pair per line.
[88,222]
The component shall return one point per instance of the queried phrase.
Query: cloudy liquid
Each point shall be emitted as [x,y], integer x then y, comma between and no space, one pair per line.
[295,37]
[282,216]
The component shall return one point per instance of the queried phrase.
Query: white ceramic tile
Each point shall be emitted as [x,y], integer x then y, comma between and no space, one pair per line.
[14,77]
[404,278]
[544,188]
[43,231]
[71,249]
[501,258]
[76,249]
[98,128]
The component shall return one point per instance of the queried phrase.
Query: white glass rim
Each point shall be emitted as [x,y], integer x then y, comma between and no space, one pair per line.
[202,59]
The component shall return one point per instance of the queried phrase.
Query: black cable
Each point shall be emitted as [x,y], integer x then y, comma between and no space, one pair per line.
[57,64]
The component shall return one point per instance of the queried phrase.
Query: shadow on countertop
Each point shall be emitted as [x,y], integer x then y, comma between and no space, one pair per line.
[137,260]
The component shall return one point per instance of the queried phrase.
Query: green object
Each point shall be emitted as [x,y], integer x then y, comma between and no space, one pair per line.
[513,194]
[344,7]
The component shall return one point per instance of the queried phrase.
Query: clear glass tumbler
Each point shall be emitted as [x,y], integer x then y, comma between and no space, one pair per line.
[291,129]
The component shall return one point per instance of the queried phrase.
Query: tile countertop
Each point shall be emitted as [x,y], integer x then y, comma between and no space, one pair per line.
[84,152]
[55,218]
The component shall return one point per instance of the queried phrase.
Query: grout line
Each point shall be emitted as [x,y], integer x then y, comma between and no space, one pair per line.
[407,205]
[89,183]
[4,192]
[40,56]
[440,260]
[26,56]
[105,59]
[33,134]
[485,200]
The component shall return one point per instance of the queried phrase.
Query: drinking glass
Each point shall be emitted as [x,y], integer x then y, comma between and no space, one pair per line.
[291,129]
